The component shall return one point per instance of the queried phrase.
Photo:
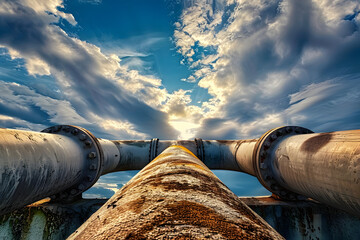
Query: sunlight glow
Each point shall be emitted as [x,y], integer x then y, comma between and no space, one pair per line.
[185,128]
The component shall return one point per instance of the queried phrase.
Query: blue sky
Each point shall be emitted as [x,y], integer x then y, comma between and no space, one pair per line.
[179,69]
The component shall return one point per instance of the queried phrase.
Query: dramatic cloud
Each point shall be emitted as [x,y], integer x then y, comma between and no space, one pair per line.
[265,63]
[93,84]
[272,63]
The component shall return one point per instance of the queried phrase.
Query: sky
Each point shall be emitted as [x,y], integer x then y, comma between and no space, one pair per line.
[179,69]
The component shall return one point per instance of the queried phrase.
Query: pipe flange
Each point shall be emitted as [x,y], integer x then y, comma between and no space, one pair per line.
[200,150]
[264,167]
[92,156]
[153,149]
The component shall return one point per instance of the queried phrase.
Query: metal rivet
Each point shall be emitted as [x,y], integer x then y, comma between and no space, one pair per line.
[92,155]
[297,130]
[263,165]
[267,144]
[82,137]
[57,128]
[288,129]
[75,131]
[81,187]
[92,167]
[273,137]
[73,191]
[88,143]
[88,178]
[66,129]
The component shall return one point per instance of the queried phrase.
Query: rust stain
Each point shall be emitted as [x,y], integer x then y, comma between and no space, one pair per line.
[197,215]
[175,198]
[315,143]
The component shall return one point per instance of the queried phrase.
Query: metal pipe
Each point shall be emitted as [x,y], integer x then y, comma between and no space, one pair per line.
[37,165]
[295,163]
[285,160]
[175,196]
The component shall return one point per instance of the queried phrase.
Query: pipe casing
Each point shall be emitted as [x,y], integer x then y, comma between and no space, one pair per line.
[323,166]
[175,197]
[36,165]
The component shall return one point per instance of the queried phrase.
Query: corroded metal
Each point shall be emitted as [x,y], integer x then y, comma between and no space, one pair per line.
[292,162]
[175,197]
[264,163]
[36,165]
[322,166]
[61,162]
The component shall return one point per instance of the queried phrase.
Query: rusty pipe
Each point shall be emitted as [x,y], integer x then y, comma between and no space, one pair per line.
[295,163]
[175,197]
[61,162]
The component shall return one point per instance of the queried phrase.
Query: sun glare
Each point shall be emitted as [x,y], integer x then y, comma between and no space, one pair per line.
[186,129]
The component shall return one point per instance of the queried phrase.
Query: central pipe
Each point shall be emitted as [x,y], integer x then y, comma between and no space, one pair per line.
[175,196]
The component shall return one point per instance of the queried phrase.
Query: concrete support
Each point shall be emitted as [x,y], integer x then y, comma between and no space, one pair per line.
[175,196]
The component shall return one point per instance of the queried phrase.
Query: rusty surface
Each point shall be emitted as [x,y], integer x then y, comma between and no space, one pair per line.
[175,197]
[316,142]
[322,166]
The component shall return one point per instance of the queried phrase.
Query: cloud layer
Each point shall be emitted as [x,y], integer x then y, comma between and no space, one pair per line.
[94,86]
[272,63]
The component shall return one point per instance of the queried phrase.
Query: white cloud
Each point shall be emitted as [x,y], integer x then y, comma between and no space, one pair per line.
[265,52]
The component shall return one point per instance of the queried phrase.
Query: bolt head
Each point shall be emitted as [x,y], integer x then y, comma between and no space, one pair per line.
[92,155]
[92,167]
[263,165]
[82,137]
[88,143]
[81,187]
[273,137]
[75,131]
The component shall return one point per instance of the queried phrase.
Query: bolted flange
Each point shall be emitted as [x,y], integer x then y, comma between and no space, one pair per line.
[263,160]
[200,150]
[92,157]
[153,149]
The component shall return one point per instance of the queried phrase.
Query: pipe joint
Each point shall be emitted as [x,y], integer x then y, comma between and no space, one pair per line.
[264,160]
[200,150]
[93,160]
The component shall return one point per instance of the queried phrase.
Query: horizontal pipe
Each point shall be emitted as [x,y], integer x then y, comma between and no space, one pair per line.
[175,197]
[71,160]
[295,163]
[323,166]
[36,165]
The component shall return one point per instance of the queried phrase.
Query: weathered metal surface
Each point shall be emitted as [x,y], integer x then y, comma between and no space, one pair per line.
[322,166]
[264,163]
[134,155]
[175,197]
[297,220]
[36,165]
[47,221]
[294,220]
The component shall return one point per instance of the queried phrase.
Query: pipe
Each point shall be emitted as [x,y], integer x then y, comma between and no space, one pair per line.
[64,161]
[175,196]
[295,163]
[37,165]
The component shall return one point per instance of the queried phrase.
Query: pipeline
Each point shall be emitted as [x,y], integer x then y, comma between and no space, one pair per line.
[292,162]
[175,197]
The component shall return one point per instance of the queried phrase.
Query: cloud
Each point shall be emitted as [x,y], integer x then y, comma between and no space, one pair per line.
[261,56]
[93,84]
